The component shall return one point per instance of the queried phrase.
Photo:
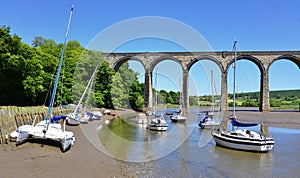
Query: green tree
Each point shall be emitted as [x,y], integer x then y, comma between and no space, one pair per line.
[136,95]
[103,86]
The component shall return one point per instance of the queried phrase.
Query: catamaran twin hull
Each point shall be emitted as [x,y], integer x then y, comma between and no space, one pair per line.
[246,143]
[54,133]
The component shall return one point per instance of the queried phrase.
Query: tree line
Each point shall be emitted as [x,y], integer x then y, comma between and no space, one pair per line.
[27,75]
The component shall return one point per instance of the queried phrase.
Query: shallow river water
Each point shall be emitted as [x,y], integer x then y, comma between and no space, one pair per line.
[184,150]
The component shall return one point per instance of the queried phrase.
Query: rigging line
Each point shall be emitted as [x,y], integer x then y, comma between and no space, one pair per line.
[85,90]
[58,70]
[88,95]
[62,83]
[48,89]
[215,92]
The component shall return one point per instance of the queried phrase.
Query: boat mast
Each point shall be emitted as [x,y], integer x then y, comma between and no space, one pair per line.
[212,91]
[155,107]
[58,70]
[86,88]
[234,76]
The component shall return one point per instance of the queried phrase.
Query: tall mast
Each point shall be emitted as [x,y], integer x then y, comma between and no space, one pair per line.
[156,90]
[85,90]
[234,76]
[58,70]
[212,91]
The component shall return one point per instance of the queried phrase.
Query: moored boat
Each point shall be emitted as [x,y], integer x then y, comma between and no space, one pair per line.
[142,119]
[50,128]
[242,139]
[54,131]
[178,118]
[158,123]
[209,121]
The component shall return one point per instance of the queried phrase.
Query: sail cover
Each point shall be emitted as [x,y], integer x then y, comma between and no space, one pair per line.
[57,118]
[242,124]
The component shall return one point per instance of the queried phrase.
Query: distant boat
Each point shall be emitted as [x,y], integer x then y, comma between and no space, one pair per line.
[106,112]
[209,121]
[93,115]
[177,116]
[242,139]
[157,121]
[50,128]
[76,118]
[142,119]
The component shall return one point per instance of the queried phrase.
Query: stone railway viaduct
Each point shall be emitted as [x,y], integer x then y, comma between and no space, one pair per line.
[262,59]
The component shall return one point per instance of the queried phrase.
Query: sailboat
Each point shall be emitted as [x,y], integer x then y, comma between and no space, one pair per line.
[177,116]
[157,121]
[50,128]
[75,118]
[242,139]
[209,121]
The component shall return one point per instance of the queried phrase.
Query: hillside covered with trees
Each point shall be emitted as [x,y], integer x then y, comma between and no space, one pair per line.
[27,74]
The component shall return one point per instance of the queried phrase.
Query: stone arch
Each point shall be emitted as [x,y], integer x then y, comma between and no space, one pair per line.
[291,58]
[205,57]
[253,59]
[162,58]
[122,60]
[264,95]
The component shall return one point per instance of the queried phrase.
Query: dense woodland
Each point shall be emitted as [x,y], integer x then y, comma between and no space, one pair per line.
[27,74]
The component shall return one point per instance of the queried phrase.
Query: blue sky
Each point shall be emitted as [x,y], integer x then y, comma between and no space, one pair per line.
[257,25]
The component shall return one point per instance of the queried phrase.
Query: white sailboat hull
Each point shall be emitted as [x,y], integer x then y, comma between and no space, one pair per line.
[209,125]
[158,124]
[54,132]
[158,128]
[73,119]
[25,128]
[240,141]
[178,118]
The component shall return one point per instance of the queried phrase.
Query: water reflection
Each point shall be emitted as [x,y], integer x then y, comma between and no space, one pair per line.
[127,140]
[184,150]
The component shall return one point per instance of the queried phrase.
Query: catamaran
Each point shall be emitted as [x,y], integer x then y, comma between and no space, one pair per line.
[242,139]
[50,128]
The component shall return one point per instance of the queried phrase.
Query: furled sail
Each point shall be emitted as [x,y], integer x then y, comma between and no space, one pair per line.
[236,123]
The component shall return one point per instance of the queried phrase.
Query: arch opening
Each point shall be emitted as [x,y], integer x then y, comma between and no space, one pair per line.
[248,89]
[205,73]
[284,85]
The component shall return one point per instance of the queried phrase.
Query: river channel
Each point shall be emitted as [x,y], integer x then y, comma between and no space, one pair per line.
[184,150]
